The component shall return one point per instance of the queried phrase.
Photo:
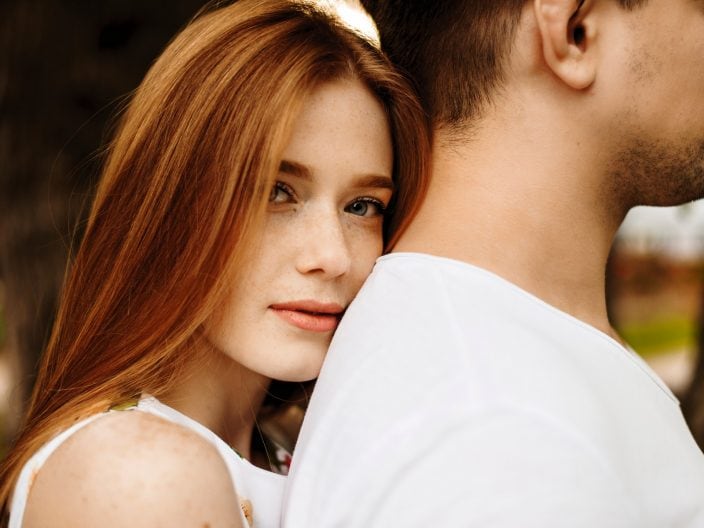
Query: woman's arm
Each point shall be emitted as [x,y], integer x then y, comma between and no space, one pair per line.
[137,470]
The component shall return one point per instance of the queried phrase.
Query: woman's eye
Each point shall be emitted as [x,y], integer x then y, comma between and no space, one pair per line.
[281,193]
[366,207]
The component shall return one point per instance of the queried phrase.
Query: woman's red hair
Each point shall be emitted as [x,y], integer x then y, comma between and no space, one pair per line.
[185,184]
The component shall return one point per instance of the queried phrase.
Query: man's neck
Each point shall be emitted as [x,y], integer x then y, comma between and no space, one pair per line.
[526,207]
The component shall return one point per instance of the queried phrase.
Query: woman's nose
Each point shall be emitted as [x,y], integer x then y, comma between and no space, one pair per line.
[324,248]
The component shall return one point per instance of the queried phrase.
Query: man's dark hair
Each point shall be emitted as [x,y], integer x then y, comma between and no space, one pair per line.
[454,50]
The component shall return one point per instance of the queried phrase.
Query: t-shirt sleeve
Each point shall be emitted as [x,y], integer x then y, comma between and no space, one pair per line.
[501,469]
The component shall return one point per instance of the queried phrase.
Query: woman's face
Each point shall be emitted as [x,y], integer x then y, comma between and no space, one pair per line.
[321,237]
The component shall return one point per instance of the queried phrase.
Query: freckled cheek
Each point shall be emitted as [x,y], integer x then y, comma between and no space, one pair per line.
[281,230]
[365,248]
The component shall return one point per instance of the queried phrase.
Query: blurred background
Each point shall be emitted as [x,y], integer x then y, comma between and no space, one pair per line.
[655,293]
[66,70]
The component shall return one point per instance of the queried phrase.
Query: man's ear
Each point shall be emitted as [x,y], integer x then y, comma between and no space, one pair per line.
[567,40]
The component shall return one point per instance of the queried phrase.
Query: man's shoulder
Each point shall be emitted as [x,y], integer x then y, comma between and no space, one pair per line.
[420,269]
[409,287]
[416,285]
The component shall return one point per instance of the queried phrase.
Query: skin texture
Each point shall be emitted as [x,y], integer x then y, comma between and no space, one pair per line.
[582,130]
[321,237]
[662,150]
[136,460]
[313,247]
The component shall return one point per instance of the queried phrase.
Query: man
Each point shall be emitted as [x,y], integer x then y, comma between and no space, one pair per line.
[476,380]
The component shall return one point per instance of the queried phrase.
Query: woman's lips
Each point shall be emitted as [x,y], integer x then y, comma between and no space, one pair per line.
[310,315]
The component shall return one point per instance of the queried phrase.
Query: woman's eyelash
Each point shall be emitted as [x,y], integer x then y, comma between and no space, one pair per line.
[380,208]
[374,201]
[283,187]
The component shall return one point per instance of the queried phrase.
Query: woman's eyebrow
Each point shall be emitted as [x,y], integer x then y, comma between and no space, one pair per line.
[365,181]
[372,180]
[295,169]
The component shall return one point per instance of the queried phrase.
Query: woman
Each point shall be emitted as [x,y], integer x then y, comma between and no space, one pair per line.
[239,212]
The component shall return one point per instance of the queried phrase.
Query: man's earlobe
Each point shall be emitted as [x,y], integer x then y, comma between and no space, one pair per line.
[565,38]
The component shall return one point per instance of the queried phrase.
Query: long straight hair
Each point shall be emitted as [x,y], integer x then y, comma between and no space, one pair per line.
[183,189]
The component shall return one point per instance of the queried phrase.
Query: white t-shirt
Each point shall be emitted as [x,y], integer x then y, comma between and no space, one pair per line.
[261,488]
[452,398]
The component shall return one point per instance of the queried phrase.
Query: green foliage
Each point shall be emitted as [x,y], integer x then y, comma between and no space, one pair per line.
[660,335]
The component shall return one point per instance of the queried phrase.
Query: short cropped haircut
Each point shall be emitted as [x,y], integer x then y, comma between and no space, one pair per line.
[454,50]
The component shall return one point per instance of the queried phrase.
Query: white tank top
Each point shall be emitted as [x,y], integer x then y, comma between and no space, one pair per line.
[260,491]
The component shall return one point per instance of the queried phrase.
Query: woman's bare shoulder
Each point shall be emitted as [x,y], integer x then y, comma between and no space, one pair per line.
[133,469]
